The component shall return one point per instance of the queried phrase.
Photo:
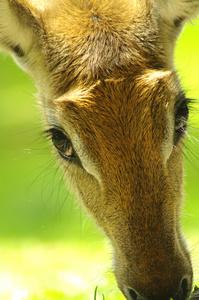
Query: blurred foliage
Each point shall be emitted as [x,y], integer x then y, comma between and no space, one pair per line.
[37,212]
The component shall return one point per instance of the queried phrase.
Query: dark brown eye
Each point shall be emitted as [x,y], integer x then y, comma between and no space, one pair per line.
[181,125]
[62,143]
[181,119]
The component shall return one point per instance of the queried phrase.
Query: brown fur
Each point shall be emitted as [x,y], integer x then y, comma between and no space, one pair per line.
[105,74]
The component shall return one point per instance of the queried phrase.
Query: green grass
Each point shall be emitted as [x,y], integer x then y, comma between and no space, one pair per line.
[32,269]
[52,252]
[35,270]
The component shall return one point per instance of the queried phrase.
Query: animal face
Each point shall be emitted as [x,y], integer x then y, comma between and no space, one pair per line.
[117,116]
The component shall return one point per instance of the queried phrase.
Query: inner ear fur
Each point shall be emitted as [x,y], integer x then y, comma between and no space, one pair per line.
[18,25]
[177,12]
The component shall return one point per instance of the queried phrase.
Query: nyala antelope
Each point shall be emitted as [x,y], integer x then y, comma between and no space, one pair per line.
[117,116]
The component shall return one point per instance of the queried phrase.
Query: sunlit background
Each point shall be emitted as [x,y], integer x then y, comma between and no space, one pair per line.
[49,249]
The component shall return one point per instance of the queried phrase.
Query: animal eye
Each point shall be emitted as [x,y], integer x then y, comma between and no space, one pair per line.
[62,143]
[181,119]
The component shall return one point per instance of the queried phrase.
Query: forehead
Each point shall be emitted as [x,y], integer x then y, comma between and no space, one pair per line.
[106,40]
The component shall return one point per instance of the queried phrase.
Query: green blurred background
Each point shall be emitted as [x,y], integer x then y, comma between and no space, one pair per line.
[42,228]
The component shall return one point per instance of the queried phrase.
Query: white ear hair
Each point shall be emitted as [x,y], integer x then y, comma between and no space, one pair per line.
[177,12]
[15,34]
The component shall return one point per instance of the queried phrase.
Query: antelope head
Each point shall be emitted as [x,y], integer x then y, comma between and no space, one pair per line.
[117,115]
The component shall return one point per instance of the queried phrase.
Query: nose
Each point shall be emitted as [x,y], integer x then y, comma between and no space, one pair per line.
[181,293]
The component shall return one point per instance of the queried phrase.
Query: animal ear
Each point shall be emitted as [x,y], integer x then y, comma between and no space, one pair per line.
[177,12]
[17,26]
